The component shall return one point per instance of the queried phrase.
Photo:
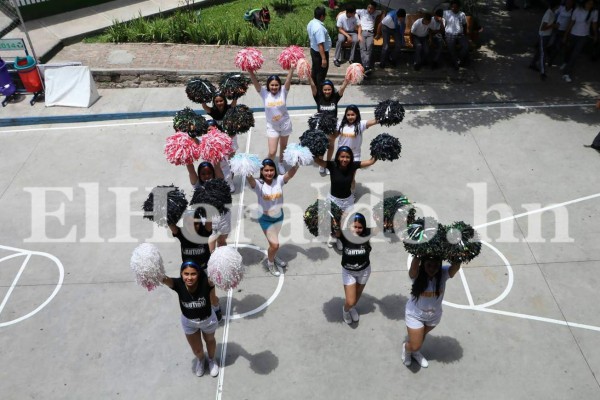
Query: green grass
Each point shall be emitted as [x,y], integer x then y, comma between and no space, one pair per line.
[223,24]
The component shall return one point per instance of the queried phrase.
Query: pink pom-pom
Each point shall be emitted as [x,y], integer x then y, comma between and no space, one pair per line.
[303,68]
[215,145]
[249,59]
[355,73]
[290,56]
[181,149]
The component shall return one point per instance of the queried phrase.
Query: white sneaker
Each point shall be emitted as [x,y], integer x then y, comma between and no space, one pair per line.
[213,368]
[280,169]
[346,315]
[419,358]
[327,171]
[322,170]
[200,367]
[567,78]
[330,241]
[272,268]
[280,263]
[406,360]
[339,245]
[354,314]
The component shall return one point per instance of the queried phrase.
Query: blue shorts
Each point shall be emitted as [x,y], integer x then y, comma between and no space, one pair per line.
[266,221]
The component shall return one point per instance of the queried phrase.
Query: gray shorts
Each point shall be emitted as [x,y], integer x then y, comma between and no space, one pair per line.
[354,277]
[208,325]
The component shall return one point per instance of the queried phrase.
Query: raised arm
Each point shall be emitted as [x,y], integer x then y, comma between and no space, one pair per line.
[343,87]
[372,122]
[290,174]
[320,162]
[313,86]
[206,107]
[174,229]
[192,174]
[167,281]
[251,181]
[288,80]
[254,81]
[368,163]
[413,271]
[233,103]
[454,267]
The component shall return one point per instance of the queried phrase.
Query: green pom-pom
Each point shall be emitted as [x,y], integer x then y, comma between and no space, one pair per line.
[318,217]
[189,122]
[394,213]
[463,242]
[425,237]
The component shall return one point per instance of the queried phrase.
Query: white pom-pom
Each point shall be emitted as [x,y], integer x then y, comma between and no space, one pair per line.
[355,73]
[303,68]
[147,265]
[244,164]
[296,154]
[225,268]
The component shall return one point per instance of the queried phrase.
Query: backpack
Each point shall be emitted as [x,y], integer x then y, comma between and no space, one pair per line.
[259,17]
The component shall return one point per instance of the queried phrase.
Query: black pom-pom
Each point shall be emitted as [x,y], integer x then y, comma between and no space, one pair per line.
[169,206]
[189,122]
[385,147]
[464,244]
[389,112]
[425,237]
[216,193]
[316,141]
[324,122]
[238,119]
[318,217]
[234,85]
[200,90]
[393,213]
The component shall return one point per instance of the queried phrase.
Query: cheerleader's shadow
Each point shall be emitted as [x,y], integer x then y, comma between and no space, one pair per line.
[290,252]
[262,363]
[248,303]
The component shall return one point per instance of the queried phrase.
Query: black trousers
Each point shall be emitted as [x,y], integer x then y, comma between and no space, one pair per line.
[318,73]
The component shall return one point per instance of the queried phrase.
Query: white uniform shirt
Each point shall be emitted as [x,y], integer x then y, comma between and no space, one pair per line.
[366,20]
[276,112]
[548,18]
[428,306]
[419,28]
[434,25]
[581,27]
[270,197]
[348,137]
[347,24]
[454,22]
[563,17]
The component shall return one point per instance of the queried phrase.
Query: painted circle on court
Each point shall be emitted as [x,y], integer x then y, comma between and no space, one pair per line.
[27,255]
[497,299]
[270,299]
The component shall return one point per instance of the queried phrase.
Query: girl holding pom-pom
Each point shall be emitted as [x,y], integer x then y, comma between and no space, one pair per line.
[279,123]
[351,128]
[198,318]
[342,171]
[356,266]
[217,112]
[424,309]
[221,226]
[269,189]
[327,99]
[194,240]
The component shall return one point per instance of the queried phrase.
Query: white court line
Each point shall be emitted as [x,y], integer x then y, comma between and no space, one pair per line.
[539,210]
[14,282]
[427,109]
[466,286]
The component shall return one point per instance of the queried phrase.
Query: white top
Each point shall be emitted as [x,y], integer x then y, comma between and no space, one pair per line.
[454,22]
[367,21]
[548,18]
[419,29]
[581,27]
[317,33]
[276,112]
[270,197]
[563,17]
[429,306]
[347,24]
[348,137]
[434,25]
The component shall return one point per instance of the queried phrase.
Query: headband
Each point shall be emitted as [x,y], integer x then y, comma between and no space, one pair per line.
[190,264]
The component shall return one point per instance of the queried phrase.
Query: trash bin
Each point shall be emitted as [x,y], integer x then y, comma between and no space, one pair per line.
[7,87]
[28,72]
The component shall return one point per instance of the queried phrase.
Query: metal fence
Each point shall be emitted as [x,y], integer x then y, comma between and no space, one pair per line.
[28,2]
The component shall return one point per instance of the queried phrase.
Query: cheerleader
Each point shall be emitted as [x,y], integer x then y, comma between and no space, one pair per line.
[351,128]
[279,123]
[269,189]
[424,309]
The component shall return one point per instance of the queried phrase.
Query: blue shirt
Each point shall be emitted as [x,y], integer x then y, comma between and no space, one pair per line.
[317,33]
